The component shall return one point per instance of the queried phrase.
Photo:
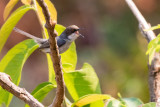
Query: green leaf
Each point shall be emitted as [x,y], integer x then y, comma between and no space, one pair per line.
[125,102]
[12,64]
[82,82]
[59,28]
[41,17]
[10,23]
[132,102]
[42,90]
[99,103]
[153,47]
[69,57]
[157,48]
[9,8]
[90,98]
[151,104]
[51,70]
[151,55]
[153,28]
[115,103]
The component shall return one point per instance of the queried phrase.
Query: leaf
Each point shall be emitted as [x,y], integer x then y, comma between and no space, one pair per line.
[12,64]
[10,23]
[151,104]
[67,102]
[26,2]
[153,28]
[152,48]
[69,57]
[51,9]
[132,102]
[67,65]
[157,48]
[82,82]
[115,103]
[51,70]
[90,98]
[151,55]
[9,8]
[59,28]
[125,102]
[42,90]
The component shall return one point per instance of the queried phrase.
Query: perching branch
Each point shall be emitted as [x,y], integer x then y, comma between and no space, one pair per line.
[149,34]
[21,93]
[50,25]
[154,68]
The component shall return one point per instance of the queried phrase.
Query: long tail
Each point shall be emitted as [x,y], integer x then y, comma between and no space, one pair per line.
[38,40]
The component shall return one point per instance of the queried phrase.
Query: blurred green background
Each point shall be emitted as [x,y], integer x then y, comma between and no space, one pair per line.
[113,44]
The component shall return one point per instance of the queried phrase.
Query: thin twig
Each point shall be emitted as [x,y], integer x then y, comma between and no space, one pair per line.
[21,93]
[150,34]
[50,25]
[154,68]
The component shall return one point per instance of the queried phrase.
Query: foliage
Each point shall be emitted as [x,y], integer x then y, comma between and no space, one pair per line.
[12,64]
[83,85]
[154,45]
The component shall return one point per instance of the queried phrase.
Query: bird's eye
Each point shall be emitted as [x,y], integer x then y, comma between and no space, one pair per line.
[74,30]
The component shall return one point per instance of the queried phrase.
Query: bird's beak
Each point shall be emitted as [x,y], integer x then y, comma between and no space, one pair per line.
[77,32]
[81,35]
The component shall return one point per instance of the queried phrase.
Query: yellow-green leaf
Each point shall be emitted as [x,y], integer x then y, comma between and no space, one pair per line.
[41,91]
[8,26]
[52,10]
[51,70]
[90,98]
[9,7]
[26,2]
[150,104]
[12,64]
[153,28]
[82,82]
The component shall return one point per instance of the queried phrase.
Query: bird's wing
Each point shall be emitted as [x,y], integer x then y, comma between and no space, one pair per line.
[60,42]
[45,44]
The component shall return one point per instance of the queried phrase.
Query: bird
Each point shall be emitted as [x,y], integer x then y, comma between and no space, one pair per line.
[70,34]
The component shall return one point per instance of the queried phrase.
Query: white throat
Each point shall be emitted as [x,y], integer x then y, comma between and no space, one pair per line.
[73,37]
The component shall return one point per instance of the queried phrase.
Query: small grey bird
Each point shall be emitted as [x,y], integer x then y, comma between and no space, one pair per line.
[70,34]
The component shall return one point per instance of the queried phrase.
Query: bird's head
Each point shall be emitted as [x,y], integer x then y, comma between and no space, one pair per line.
[71,33]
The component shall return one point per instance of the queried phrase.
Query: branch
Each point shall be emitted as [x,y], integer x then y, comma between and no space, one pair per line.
[154,68]
[50,25]
[143,23]
[21,93]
